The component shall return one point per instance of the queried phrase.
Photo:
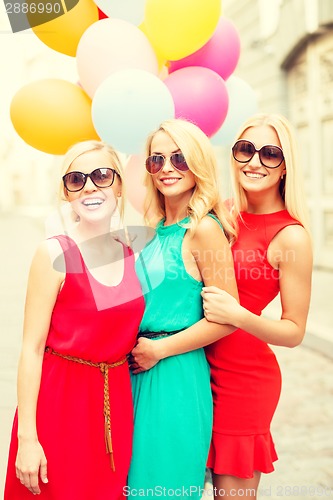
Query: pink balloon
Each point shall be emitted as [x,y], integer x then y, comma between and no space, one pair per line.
[111,45]
[220,53]
[134,174]
[199,95]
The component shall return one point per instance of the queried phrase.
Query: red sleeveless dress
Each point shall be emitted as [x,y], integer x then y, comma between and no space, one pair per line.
[98,323]
[245,375]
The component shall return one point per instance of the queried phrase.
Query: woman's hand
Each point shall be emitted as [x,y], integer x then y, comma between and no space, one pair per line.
[144,355]
[31,461]
[220,307]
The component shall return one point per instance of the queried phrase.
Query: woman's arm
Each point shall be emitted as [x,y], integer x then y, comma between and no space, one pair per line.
[292,248]
[43,287]
[213,257]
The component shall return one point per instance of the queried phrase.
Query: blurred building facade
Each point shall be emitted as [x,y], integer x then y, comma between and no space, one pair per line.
[287,57]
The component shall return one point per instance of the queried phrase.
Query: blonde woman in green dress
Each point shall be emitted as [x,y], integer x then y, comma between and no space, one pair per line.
[172,400]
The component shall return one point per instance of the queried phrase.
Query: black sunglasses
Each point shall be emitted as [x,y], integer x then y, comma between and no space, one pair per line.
[154,163]
[101,177]
[269,156]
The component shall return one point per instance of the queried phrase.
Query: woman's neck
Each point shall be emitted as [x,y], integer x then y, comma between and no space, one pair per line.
[259,204]
[98,248]
[174,213]
[173,218]
[82,232]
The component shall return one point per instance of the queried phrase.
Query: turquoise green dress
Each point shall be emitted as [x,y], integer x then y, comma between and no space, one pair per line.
[172,400]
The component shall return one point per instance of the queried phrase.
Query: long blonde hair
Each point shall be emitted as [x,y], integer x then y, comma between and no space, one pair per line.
[200,158]
[81,148]
[292,185]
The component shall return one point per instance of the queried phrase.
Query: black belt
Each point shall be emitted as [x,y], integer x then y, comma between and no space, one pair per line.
[151,335]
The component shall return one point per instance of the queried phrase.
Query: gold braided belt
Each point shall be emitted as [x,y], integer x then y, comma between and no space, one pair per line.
[104,367]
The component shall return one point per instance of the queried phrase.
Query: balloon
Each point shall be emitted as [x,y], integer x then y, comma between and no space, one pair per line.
[64,32]
[242,105]
[161,60]
[101,14]
[51,115]
[129,10]
[200,95]
[164,72]
[220,53]
[179,27]
[127,106]
[111,45]
[134,175]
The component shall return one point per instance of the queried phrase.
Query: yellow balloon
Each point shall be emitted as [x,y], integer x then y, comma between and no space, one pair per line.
[161,60]
[64,32]
[178,28]
[51,115]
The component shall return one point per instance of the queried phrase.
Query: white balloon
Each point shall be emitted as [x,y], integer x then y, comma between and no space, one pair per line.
[242,105]
[129,10]
[112,45]
[127,106]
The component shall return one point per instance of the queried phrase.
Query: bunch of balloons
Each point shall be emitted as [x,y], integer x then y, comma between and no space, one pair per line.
[139,62]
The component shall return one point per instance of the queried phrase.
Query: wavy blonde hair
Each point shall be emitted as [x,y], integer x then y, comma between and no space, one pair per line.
[292,185]
[200,158]
[80,148]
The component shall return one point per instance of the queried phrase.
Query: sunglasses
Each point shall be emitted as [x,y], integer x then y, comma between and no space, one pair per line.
[269,156]
[101,177]
[155,163]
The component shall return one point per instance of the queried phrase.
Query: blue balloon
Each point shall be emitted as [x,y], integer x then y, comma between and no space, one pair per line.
[127,106]
[242,105]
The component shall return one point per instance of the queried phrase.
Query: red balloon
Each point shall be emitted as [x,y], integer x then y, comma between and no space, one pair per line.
[101,14]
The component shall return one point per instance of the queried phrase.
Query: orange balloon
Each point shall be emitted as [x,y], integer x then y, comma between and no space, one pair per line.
[52,115]
[64,32]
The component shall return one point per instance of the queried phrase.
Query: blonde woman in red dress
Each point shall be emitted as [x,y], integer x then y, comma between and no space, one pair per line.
[72,433]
